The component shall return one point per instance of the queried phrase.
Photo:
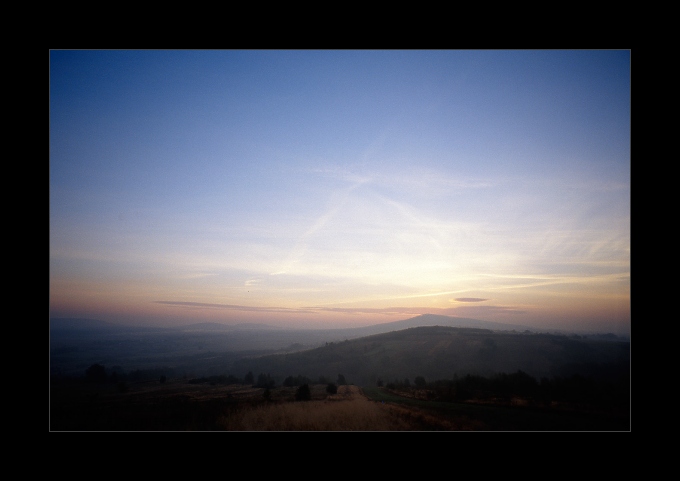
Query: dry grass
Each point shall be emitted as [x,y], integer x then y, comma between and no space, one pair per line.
[419,420]
[348,410]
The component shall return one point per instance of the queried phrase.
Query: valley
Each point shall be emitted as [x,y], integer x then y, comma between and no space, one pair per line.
[463,377]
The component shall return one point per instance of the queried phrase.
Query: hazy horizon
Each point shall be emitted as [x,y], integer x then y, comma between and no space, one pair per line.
[341,188]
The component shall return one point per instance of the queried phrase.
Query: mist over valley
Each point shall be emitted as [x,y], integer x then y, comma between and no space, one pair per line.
[211,349]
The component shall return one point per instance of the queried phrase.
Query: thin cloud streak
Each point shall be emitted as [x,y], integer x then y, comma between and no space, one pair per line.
[541,281]
[232,307]
[393,310]
[337,202]
[416,311]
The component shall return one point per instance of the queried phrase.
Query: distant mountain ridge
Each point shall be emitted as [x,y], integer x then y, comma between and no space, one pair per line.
[63,323]
[216,326]
[439,320]
[79,324]
[429,345]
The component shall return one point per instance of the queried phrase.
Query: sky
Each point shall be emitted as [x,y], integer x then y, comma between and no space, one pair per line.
[320,189]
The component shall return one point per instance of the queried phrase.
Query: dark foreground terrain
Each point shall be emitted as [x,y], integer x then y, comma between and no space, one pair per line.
[415,378]
[180,405]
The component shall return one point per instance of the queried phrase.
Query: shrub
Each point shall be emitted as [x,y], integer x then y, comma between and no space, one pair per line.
[303,393]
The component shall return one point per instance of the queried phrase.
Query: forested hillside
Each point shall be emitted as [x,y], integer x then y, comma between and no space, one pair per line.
[438,352]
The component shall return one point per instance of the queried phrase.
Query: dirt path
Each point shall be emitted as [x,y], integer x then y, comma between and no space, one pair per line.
[348,410]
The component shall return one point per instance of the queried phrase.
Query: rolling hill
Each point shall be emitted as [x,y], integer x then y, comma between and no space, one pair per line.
[437,347]
[443,352]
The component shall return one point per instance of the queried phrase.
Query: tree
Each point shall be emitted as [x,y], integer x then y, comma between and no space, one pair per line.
[291,381]
[420,381]
[249,379]
[264,380]
[331,388]
[303,393]
[341,380]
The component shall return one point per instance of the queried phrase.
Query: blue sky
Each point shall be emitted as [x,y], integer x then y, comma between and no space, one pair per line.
[337,188]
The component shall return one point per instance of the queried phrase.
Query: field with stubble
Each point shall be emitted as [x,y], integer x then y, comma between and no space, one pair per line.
[178,405]
[348,410]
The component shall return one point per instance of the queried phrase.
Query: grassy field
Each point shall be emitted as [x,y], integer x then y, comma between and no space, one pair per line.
[180,406]
[348,410]
[489,417]
[177,405]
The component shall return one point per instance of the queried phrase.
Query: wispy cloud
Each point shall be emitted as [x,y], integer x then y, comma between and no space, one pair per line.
[415,311]
[387,311]
[233,307]
[521,282]
[337,202]
[420,179]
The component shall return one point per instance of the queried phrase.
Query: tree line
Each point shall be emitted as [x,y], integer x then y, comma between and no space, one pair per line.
[98,374]
[576,388]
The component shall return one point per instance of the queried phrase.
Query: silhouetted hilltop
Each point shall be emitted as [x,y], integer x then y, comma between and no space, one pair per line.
[439,320]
